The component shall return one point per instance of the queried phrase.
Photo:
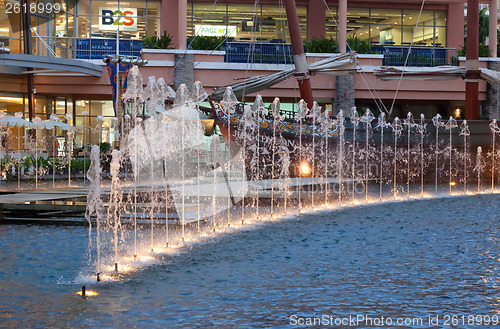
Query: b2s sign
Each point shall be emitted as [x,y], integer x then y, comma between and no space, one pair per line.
[112,18]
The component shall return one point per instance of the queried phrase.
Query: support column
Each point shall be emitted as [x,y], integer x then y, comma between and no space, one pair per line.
[316,19]
[174,21]
[27,44]
[472,61]
[342,21]
[182,25]
[492,35]
[299,57]
[455,17]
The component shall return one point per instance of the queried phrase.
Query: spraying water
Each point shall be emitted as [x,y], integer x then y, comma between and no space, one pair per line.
[464,131]
[479,167]
[355,122]
[301,114]
[409,123]
[450,125]
[495,129]
[437,124]
[397,128]
[421,128]
[341,123]
[367,119]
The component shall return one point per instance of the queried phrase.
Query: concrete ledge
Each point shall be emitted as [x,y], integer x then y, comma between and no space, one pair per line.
[50,63]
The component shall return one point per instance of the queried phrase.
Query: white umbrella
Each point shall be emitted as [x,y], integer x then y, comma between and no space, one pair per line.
[10,120]
[51,124]
[15,121]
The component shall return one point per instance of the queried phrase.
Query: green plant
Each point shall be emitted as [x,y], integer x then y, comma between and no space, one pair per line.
[205,43]
[76,164]
[321,45]
[105,147]
[26,162]
[484,51]
[162,42]
[358,45]
[43,163]
[454,61]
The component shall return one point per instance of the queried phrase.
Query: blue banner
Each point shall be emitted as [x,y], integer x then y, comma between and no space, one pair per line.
[113,80]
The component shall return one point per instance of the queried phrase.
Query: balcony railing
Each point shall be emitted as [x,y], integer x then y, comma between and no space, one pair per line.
[258,53]
[418,56]
[239,52]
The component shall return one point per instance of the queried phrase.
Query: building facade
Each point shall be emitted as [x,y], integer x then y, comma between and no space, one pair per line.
[83,31]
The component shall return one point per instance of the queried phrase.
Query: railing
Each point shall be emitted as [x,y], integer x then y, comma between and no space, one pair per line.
[84,48]
[261,53]
[419,56]
[98,48]
[239,52]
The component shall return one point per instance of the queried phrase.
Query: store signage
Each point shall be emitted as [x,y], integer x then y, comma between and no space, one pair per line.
[113,18]
[215,30]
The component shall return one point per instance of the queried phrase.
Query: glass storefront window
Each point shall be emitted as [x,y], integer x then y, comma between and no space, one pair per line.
[388,27]
[331,22]
[252,23]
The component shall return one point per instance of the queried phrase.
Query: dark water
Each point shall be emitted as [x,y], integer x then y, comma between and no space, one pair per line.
[437,257]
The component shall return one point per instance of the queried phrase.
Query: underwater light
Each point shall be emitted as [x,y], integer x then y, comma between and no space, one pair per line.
[86,293]
[305,168]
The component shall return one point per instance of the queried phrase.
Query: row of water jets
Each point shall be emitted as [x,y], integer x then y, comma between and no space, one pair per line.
[166,165]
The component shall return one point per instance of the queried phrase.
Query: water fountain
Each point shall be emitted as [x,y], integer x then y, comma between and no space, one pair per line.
[450,125]
[302,112]
[464,131]
[367,119]
[355,123]
[436,121]
[275,110]
[479,167]
[315,114]
[409,123]
[201,175]
[325,125]
[397,129]
[495,129]
[381,124]
[340,161]
[421,128]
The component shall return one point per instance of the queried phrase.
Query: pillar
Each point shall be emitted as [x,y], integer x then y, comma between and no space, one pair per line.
[492,31]
[342,32]
[174,21]
[455,20]
[316,19]
[472,62]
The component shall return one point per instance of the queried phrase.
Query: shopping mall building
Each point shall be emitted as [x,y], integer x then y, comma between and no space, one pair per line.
[58,67]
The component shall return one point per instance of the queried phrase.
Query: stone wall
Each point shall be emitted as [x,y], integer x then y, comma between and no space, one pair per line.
[184,70]
[344,93]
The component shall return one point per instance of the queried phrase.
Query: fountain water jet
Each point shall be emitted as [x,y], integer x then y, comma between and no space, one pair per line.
[301,114]
[355,122]
[367,119]
[495,129]
[341,124]
[437,123]
[452,123]
[464,131]
[479,167]
[409,123]
[382,124]
[421,128]
[397,128]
